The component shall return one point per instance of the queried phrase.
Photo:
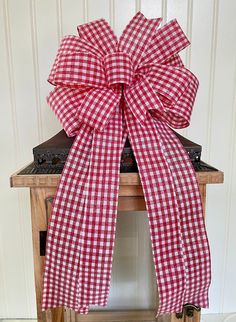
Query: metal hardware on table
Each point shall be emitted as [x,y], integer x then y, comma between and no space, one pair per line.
[188,310]
[179,315]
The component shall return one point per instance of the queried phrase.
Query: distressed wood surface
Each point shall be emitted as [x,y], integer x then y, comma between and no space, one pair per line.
[131,180]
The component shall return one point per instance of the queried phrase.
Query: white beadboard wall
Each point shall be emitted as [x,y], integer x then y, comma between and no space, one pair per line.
[30,31]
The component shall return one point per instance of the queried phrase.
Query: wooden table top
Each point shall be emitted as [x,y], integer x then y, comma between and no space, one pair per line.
[126,179]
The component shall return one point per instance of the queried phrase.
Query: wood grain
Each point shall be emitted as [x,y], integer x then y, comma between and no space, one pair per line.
[126,179]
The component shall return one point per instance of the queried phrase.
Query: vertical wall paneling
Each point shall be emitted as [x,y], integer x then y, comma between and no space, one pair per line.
[22,62]
[200,65]
[15,265]
[179,10]
[34,40]
[59,20]
[229,293]
[47,32]
[203,33]
[85,2]
[188,49]
[30,32]
[138,5]
[212,73]
[151,8]
[189,32]
[97,12]
[124,10]
[112,14]
[72,16]
[226,50]
[164,10]
[3,294]
[10,79]
[7,132]
[220,141]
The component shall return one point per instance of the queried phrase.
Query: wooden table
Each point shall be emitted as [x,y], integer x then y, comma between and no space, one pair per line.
[42,189]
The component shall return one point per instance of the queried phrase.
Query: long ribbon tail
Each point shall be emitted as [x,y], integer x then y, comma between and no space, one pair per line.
[62,250]
[100,213]
[163,212]
[195,242]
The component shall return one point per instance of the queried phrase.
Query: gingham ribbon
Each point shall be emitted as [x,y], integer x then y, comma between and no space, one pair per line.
[105,91]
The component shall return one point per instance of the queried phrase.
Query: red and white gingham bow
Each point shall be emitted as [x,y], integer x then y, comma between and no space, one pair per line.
[105,91]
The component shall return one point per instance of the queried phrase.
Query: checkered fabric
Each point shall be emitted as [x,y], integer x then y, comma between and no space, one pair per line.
[106,90]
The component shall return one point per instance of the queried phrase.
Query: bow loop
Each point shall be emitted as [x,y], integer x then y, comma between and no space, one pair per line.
[77,69]
[136,36]
[99,34]
[64,102]
[176,88]
[68,44]
[168,41]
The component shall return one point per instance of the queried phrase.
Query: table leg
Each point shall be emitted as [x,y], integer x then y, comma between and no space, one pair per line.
[40,214]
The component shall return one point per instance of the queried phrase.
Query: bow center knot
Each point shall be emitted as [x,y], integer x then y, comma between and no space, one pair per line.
[118,68]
